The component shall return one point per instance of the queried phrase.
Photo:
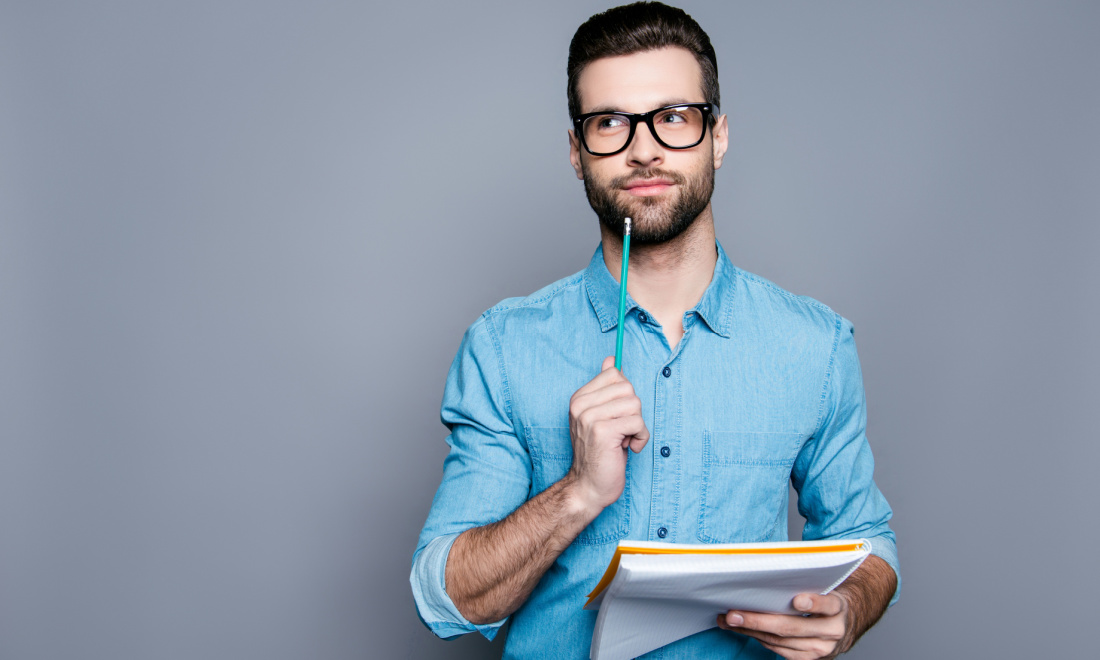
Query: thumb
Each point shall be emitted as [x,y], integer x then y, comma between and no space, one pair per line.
[608,363]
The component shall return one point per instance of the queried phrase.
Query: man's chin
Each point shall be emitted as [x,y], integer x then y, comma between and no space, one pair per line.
[653,210]
[651,221]
[644,226]
[649,230]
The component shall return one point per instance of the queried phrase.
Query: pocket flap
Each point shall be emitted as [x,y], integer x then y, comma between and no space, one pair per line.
[751,449]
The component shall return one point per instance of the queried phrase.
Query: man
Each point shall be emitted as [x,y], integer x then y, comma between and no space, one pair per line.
[730,389]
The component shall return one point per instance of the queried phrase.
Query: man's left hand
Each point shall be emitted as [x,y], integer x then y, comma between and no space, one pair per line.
[822,634]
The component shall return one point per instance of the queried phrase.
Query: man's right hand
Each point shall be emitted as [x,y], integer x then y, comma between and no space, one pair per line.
[492,569]
[605,418]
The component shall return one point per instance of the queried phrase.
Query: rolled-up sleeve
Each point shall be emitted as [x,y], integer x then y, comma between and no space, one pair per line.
[834,472]
[486,475]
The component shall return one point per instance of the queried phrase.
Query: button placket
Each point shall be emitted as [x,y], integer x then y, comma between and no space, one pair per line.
[666,468]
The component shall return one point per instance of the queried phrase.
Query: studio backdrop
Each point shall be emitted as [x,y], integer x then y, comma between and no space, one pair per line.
[240,242]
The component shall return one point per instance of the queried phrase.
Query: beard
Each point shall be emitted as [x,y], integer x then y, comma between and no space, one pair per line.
[656,219]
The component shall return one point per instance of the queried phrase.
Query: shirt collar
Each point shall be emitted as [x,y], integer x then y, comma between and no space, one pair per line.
[715,307]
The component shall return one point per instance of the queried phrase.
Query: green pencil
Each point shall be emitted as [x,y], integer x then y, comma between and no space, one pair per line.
[622,297]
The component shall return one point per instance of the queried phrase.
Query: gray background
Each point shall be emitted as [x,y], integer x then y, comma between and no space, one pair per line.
[239,244]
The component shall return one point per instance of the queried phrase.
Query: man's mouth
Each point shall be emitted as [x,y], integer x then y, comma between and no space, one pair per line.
[647,187]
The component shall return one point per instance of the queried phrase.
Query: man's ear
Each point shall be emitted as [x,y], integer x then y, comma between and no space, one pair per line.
[575,155]
[721,134]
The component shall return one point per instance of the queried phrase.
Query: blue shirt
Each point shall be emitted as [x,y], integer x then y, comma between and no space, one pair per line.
[763,389]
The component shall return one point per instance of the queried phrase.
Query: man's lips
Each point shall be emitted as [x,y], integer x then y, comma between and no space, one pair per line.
[647,187]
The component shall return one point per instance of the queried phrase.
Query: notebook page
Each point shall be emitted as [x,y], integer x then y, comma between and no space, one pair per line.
[657,599]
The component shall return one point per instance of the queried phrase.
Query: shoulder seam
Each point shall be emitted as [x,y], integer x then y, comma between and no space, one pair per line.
[507,391]
[571,281]
[772,286]
[837,327]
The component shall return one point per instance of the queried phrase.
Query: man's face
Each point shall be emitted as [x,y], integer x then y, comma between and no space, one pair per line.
[661,190]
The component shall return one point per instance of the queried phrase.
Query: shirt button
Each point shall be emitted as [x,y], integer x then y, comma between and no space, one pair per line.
[665,451]
[662,532]
[666,372]
[642,317]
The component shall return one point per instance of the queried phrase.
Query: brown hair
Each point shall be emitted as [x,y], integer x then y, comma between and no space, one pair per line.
[637,28]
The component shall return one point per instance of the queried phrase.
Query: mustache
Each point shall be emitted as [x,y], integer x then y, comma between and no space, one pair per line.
[652,173]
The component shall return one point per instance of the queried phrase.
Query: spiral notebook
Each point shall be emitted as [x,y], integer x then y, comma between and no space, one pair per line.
[654,593]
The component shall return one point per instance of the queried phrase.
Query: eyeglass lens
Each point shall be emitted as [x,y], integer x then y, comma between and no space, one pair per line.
[677,128]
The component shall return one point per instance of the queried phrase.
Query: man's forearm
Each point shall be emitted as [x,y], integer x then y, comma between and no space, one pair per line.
[868,591]
[492,569]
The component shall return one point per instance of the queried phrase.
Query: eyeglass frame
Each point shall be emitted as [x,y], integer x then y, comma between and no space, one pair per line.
[708,110]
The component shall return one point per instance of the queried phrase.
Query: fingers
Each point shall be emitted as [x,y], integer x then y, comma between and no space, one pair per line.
[638,441]
[637,444]
[606,396]
[622,406]
[827,605]
[628,427]
[810,650]
[785,625]
[796,639]
[609,397]
[598,397]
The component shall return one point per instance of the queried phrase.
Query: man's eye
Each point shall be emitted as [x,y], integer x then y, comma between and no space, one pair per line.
[611,121]
[673,117]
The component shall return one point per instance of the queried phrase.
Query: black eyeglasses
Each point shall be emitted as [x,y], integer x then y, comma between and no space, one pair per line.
[680,126]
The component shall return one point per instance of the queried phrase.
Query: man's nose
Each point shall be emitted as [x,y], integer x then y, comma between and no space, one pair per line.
[644,150]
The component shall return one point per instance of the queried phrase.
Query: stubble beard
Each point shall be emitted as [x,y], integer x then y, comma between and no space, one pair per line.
[657,219]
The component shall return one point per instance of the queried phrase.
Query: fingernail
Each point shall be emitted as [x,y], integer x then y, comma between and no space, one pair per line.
[735,619]
[803,603]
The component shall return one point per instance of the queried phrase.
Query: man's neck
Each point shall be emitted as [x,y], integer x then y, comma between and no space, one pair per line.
[670,278]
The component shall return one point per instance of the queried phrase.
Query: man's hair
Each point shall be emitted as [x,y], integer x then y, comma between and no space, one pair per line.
[636,28]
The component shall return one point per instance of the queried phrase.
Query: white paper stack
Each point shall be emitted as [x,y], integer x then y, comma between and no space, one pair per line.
[653,594]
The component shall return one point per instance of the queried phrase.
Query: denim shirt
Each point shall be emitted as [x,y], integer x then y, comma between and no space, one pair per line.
[763,389]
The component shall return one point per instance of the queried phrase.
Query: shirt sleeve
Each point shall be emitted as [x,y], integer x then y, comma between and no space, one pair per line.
[834,472]
[486,475]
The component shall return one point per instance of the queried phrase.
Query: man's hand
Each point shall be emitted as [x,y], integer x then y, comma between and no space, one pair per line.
[834,623]
[605,418]
[492,569]
[819,635]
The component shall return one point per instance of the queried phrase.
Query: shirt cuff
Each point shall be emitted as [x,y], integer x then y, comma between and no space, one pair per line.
[429,587]
[886,549]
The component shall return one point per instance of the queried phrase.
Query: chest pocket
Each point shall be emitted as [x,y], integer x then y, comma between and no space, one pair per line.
[744,486]
[551,457]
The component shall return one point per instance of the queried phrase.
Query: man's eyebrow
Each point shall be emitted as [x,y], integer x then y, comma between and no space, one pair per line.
[662,104]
